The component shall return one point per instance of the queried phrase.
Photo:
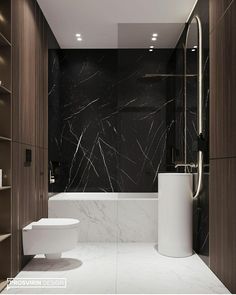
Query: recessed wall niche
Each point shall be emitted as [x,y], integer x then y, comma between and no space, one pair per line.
[5,19]
[5,113]
[5,68]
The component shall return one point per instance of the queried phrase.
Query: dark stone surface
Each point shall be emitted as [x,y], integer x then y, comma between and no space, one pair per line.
[108,129]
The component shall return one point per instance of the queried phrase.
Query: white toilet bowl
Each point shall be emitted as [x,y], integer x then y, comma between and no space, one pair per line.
[50,236]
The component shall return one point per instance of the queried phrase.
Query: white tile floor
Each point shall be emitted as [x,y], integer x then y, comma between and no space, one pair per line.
[122,268]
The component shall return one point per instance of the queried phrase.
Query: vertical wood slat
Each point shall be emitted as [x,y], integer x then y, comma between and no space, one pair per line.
[24,205]
[16,233]
[223,86]
[40,81]
[46,33]
[41,183]
[27,196]
[223,220]
[27,75]
[17,12]
[217,10]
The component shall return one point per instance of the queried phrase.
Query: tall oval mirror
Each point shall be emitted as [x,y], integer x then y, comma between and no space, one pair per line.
[191,92]
[194,99]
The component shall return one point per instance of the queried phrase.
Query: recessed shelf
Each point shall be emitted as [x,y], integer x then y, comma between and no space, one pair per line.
[4,90]
[5,68]
[4,41]
[159,76]
[3,138]
[3,188]
[4,237]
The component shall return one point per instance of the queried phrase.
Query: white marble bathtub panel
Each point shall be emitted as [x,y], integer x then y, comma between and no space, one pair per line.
[72,196]
[111,220]
[137,220]
[98,219]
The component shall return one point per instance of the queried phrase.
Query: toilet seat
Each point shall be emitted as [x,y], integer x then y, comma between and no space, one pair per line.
[55,223]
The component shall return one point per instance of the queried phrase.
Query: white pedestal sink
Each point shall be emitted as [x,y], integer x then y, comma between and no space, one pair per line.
[175,210]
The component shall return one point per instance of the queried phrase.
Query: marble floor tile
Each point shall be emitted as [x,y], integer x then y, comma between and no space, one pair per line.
[90,268]
[141,269]
[110,268]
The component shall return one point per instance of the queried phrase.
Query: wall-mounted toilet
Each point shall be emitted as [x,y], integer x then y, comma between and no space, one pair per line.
[50,236]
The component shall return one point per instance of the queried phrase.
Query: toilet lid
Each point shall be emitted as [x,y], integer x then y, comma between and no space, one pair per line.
[55,223]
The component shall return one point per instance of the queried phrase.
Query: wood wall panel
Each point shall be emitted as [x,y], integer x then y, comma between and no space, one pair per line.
[46,33]
[223,86]
[28,204]
[40,81]
[30,99]
[24,201]
[223,220]
[17,12]
[16,232]
[223,141]
[41,183]
[45,183]
[27,77]
[30,195]
[30,58]
[217,10]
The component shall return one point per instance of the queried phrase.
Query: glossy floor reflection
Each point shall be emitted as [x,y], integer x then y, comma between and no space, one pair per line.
[122,268]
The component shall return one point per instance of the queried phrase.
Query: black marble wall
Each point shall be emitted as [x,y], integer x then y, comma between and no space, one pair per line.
[108,125]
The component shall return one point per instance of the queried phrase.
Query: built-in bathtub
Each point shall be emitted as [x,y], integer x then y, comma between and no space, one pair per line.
[109,217]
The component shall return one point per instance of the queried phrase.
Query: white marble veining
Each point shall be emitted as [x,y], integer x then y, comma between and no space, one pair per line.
[116,268]
[97,218]
[141,269]
[137,220]
[109,217]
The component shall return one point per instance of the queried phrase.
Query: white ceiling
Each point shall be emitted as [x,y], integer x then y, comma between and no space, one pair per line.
[116,23]
[139,35]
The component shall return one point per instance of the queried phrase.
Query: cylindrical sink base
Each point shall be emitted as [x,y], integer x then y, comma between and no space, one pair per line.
[175,214]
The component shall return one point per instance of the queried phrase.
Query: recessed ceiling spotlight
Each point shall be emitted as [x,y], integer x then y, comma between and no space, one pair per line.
[78,35]
[193,49]
[151,46]
[195,46]
[150,49]
[154,35]
[154,38]
[79,39]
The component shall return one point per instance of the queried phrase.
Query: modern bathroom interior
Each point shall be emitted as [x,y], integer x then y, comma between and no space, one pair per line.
[117,147]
